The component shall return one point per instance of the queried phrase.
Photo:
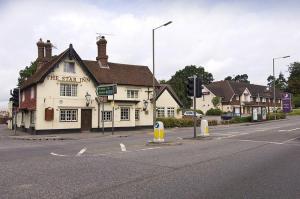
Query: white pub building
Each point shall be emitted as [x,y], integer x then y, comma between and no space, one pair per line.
[61,94]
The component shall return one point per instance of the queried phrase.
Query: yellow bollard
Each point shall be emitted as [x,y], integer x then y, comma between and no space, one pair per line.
[159,132]
[204,128]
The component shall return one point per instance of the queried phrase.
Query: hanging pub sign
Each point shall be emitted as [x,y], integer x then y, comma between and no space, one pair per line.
[286,102]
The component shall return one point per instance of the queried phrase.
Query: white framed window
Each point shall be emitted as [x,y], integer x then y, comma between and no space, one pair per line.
[237,98]
[68,89]
[137,114]
[160,111]
[69,67]
[171,112]
[125,113]
[68,115]
[133,94]
[32,93]
[106,116]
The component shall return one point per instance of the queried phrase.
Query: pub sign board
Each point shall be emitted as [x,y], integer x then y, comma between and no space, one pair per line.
[105,90]
[286,102]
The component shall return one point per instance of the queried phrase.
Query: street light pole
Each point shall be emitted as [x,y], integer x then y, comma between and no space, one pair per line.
[274,80]
[153,71]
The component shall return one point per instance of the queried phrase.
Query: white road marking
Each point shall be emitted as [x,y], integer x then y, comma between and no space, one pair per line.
[55,154]
[81,151]
[289,130]
[291,139]
[260,130]
[123,148]
[261,141]
[180,138]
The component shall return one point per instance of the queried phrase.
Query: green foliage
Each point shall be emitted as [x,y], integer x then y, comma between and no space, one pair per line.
[213,111]
[162,81]
[280,115]
[241,119]
[280,82]
[216,101]
[27,72]
[296,100]
[294,78]
[238,78]
[295,112]
[173,122]
[178,81]
[199,111]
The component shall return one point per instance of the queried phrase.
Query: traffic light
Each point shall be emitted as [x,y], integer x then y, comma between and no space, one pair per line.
[198,87]
[14,97]
[190,86]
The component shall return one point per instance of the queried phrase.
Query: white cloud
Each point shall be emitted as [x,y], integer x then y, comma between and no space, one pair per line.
[226,38]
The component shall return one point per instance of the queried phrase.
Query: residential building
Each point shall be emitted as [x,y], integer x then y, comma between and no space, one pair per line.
[238,97]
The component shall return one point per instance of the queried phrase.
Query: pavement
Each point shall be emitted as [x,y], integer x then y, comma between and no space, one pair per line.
[239,161]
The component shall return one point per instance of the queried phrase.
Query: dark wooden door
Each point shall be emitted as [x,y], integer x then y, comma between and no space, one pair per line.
[86,119]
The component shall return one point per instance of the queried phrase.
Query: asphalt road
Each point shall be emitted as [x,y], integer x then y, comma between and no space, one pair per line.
[238,161]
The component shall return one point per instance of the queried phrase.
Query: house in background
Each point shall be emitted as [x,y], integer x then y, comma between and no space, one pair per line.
[238,97]
[167,102]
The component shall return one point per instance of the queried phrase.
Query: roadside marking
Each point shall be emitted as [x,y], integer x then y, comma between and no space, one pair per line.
[60,155]
[81,151]
[261,141]
[260,130]
[123,148]
[291,139]
[289,130]
[112,153]
[180,138]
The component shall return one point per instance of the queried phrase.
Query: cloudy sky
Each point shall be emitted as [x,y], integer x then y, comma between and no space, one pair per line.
[226,37]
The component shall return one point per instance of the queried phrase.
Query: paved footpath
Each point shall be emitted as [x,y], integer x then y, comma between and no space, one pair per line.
[238,161]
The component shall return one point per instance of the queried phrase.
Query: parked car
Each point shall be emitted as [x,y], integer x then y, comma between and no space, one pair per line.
[227,116]
[191,114]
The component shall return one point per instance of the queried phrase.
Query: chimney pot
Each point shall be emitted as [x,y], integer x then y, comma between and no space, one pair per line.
[48,49]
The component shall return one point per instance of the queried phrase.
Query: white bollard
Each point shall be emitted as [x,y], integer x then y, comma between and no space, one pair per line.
[204,128]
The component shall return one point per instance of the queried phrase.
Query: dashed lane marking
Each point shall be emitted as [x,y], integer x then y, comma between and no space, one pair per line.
[81,151]
[123,148]
[288,130]
[60,155]
[261,141]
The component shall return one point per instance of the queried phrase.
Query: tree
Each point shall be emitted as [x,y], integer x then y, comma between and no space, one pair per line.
[228,78]
[27,72]
[238,78]
[294,78]
[162,81]
[178,81]
[216,101]
[280,82]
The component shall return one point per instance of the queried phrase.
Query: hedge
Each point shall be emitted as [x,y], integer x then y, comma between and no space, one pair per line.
[271,116]
[213,111]
[183,122]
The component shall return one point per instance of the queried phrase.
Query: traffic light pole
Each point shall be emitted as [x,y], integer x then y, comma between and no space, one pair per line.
[195,121]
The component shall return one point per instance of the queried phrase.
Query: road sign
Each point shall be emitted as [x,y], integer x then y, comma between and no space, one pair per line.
[105,90]
[286,102]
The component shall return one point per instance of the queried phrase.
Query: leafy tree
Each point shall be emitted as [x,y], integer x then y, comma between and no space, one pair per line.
[228,78]
[216,101]
[162,81]
[27,72]
[280,82]
[294,78]
[238,78]
[178,81]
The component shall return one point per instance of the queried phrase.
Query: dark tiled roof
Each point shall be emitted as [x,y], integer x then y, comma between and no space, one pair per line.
[122,74]
[163,87]
[227,89]
[221,89]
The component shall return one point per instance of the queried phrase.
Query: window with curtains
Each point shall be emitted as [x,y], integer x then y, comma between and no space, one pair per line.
[68,89]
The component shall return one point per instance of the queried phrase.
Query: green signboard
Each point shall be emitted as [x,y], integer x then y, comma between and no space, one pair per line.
[105,90]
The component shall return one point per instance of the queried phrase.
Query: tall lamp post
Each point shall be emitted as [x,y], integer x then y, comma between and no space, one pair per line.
[274,89]
[153,71]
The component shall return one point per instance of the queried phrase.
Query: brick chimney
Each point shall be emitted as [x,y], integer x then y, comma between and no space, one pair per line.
[41,54]
[102,57]
[48,49]
[41,49]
